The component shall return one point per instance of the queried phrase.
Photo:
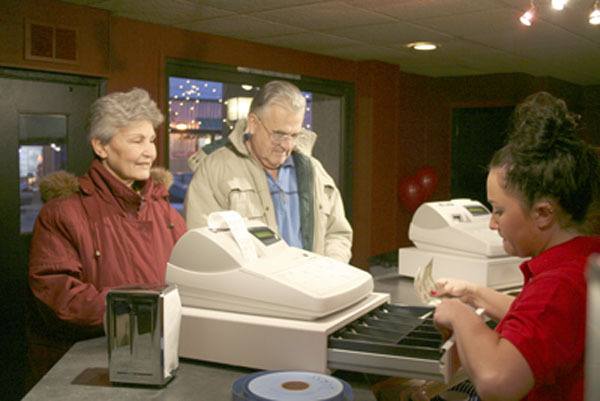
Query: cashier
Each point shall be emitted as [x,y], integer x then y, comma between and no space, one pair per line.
[113,226]
[543,187]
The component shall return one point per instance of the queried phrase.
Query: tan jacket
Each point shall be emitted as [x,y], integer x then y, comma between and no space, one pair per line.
[230,179]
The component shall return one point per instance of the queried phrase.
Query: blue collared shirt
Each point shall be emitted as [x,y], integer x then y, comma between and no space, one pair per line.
[284,193]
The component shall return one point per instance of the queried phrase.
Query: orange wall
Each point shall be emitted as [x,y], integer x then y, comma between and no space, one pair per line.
[402,122]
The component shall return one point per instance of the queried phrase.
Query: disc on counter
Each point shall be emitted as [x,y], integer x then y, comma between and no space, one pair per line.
[290,386]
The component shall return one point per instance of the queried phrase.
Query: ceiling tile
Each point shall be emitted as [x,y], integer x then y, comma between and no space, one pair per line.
[161,12]
[397,32]
[573,19]
[309,40]
[365,52]
[475,23]
[411,10]
[240,27]
[322,16]
[473,54]
[525,40]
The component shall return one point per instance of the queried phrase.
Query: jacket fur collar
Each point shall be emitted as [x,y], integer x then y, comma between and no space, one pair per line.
[62,183]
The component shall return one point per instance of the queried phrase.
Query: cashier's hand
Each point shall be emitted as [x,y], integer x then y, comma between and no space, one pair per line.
[455,288]
[448,311]
[421,390]
[414,394]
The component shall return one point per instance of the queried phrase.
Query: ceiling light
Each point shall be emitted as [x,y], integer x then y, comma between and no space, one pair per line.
[595,14]
[528,16]
[247,87]
[422,46]
[559,4]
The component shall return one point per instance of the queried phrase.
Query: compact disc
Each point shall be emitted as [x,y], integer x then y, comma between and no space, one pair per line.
[291,386]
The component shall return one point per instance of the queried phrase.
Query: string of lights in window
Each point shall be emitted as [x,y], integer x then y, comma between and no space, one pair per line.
[529,16]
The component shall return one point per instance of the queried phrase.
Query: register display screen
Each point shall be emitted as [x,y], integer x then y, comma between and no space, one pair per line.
[477,210]
[264,234]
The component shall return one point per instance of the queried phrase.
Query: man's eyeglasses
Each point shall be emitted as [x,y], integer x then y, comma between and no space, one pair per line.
[277,136]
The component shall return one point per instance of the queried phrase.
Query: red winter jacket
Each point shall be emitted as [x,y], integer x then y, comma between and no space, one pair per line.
[103,235]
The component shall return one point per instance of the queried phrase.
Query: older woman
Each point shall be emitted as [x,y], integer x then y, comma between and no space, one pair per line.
[111,227]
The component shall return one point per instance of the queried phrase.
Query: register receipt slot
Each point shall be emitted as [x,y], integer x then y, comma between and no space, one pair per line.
[212,272]
[455,235]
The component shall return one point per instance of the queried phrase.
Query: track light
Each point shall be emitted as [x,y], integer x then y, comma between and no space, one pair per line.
[559,4]
[528,16]
[595,14]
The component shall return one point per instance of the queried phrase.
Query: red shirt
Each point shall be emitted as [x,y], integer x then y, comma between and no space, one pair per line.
[547,321]
[102,236]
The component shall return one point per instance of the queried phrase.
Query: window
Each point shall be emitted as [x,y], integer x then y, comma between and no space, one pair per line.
[42,150]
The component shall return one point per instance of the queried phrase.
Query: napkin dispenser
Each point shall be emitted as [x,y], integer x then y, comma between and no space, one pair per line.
[142,325]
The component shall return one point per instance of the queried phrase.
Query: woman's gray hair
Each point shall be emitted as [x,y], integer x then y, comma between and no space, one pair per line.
[116,110]
[282,93]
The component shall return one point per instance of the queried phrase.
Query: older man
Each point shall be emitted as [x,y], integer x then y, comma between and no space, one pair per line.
[265,172]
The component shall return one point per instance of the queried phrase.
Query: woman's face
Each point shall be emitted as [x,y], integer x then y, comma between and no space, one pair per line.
[514,223]
[130,152]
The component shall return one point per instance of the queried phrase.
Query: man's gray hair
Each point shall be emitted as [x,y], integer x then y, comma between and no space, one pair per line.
[114,111]
[282,93]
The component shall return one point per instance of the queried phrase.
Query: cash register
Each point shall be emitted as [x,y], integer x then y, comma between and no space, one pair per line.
[251,300]
[456,237]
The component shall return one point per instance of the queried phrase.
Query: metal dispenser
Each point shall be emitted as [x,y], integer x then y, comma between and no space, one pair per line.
[142,325]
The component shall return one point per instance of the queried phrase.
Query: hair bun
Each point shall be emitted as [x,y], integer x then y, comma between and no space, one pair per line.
[542,122]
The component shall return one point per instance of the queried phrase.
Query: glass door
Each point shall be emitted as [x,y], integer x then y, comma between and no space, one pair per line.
[206,100]
[42,124]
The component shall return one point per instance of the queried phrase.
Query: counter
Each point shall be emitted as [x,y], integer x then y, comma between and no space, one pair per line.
[82,373]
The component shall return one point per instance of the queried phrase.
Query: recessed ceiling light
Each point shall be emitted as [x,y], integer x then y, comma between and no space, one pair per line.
[422,46]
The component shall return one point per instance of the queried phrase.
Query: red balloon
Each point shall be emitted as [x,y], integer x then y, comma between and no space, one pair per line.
[410,193]
[427,179]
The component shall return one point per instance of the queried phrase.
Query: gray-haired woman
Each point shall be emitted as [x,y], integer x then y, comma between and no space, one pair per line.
[110,227]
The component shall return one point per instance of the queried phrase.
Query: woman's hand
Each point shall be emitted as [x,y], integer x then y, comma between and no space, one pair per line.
[455,288]
[446,313]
